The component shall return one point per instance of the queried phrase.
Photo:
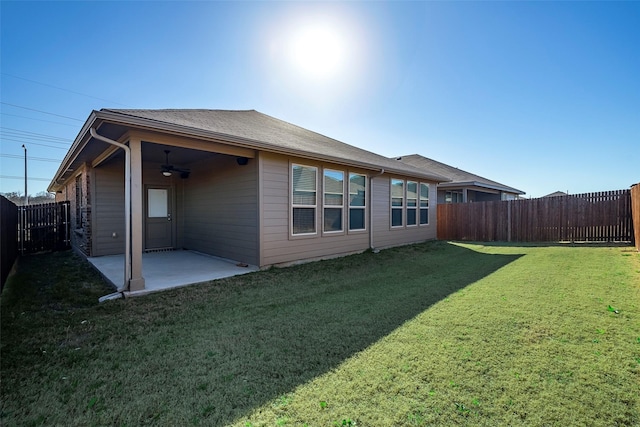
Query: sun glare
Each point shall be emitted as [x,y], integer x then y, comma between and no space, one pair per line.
[318,57]
[318,51]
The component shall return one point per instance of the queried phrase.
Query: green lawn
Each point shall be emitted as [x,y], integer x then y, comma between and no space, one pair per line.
[430,334]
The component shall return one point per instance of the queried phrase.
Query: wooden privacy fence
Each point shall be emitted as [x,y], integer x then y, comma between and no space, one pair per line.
[44,227]
[590,217]
[8,237]
[635,210]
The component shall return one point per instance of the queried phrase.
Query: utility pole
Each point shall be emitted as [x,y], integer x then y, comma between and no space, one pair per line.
[26,197]
[23,233]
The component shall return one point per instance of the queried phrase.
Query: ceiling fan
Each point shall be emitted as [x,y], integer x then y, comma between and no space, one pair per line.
[167,169]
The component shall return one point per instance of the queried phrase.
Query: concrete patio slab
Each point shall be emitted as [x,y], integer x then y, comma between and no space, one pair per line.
[170,269]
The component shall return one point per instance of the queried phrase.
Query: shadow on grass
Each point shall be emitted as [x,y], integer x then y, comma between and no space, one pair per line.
[211,353]
[262,335]
[563,244]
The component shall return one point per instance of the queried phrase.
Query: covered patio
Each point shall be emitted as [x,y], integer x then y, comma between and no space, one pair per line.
[170,269]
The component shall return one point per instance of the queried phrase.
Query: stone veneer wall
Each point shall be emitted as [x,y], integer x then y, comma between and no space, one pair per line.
[80,227]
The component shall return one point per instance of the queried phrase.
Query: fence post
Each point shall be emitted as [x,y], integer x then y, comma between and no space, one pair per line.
[635,214]
[509,221]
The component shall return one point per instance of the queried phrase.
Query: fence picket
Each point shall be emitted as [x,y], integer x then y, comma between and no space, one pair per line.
[44,227]
[596,217]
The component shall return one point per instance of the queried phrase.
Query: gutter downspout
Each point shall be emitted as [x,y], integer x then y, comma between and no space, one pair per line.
[127,206]
[371,210]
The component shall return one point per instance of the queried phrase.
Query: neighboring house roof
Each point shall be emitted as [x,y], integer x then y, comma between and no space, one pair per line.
[556,194]
[255,130]
[457,177]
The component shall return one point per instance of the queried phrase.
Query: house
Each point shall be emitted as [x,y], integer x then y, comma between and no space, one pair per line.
[557,194]
[463,186]
[239,185]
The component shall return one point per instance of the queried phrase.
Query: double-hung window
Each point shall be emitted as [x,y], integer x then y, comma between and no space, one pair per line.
[357,201]
[412,203]
[304,190]
[397,202]
[333,200]
[409,203]
[424,203]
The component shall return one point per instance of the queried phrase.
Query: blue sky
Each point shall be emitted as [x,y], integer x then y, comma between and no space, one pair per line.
[540,96]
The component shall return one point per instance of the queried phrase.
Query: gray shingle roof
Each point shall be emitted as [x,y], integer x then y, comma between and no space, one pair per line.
[556,194]
[267,133]
[457,176]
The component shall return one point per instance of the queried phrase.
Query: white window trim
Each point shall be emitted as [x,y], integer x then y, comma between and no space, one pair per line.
[325,206]
[402,208]
[363,208]
[416,208]
[420,201]
[292,206]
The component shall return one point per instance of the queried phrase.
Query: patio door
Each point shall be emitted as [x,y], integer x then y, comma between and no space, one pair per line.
[158,218]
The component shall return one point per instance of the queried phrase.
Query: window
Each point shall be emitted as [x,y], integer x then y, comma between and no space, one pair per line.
[411,207]
[412,203]
[424,203]
[357,201]
[157,206]
[303,200]
[333,200]
[79,201]
[453,197]
[397,202]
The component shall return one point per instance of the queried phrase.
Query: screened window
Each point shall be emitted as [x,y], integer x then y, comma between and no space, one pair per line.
[424,203]
[304,201]
[357,201]
[333,200]
[453,197]
[412,203]
[397,202]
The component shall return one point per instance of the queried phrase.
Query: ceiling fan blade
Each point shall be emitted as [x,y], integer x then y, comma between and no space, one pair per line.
[167,167]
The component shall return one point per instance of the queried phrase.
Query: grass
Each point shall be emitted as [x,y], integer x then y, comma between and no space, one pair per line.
[437,333]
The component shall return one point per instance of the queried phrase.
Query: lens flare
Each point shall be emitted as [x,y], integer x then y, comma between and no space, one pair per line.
[318,51]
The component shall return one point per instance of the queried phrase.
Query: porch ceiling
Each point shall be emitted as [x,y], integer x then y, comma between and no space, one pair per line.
[178,156]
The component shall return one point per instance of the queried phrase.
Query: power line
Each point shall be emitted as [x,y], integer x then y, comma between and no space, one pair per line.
[22,177]
[39,120]
[37,159]
[40,111]
[23,136]
[12,130]
[63,89]
[28,138]
[32,143]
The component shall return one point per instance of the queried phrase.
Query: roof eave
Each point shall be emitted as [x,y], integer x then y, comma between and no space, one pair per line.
[73,151]
[96,118]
